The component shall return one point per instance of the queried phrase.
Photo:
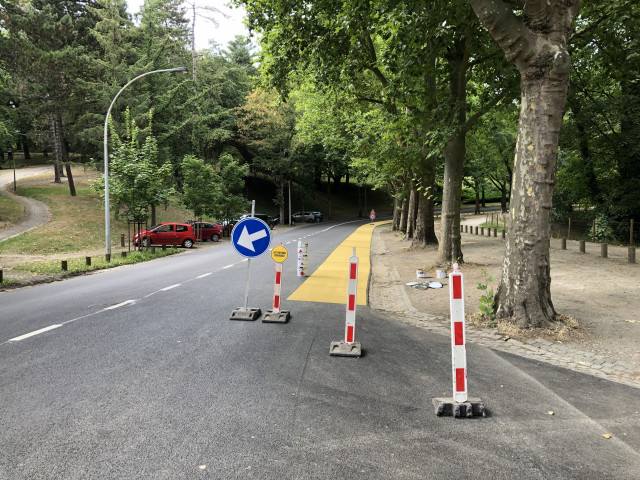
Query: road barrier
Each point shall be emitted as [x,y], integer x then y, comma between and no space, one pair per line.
[349,347]
[303,258]
[460,405]
[276,314]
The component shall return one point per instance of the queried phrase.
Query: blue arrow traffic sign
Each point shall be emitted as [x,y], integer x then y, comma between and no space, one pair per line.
[251,237]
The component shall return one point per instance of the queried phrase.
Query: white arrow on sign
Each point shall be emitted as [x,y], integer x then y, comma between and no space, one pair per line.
[246,239]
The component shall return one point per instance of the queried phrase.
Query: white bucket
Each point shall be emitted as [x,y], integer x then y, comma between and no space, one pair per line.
[421,273]
[441,274]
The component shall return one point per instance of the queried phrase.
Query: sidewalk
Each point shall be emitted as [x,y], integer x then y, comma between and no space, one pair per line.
[389,294]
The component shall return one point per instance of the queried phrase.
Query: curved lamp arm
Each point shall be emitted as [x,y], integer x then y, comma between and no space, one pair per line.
[107,209]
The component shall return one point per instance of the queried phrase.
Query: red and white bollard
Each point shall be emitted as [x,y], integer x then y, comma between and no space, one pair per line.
[303,258]
[352,292]
[276,314]
[458,340]
[460,405]
[349,347]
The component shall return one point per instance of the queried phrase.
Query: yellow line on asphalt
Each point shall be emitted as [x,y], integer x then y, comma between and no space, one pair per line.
[328,284]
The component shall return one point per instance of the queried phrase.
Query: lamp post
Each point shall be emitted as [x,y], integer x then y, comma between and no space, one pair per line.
[107,209]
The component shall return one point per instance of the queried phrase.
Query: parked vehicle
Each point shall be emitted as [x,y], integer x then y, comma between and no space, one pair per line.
[207,231]
[317,216]
[166,234]
[304,217]
[276,220]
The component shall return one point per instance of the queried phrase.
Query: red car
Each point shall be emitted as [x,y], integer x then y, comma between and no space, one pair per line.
[167,234]
[207,231]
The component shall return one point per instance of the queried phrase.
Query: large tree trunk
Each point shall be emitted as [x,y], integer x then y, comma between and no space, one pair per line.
[404,215]
[55,147]
[536,43]
[449,248]
[65,154]
[411,213]
[425,233]
[397,208]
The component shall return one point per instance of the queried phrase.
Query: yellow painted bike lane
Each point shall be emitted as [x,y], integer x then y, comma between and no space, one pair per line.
[328,284]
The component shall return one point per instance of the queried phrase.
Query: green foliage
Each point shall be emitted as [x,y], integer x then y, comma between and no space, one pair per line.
[200,186]
[136,181]
[487,299]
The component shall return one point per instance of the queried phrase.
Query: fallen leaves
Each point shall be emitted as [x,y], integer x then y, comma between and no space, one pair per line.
[606,435]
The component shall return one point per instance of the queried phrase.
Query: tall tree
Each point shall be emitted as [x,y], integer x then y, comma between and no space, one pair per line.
[43,43]
[533,35]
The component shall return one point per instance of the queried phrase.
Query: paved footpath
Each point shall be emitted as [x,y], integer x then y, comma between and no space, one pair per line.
[35,213]
[387,294]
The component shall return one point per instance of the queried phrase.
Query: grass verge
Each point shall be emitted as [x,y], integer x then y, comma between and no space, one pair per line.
[77,223]
[78,265]
[11,211]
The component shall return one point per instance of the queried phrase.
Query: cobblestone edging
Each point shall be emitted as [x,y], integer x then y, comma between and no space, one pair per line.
[387,294]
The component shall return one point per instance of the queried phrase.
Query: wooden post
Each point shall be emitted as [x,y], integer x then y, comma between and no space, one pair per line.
[153,250]
[122,239]
[569,229]
[604,250]
[631,234]
[504,234]
[495,232]
[1,276]
[492,219]
[107,257]
[476,229]
[482,231]
[164,247]
[563,243]
[64,265]
[594,230]
[124,254]
[632,254]
[582,246]
[87,261]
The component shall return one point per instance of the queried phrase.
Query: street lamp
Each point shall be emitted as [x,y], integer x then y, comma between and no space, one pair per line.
[107,217]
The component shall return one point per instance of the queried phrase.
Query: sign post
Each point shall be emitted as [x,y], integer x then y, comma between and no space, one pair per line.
[250,238]
[276,315]
[372,215]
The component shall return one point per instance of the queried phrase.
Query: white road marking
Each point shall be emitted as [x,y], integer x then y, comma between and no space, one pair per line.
[113,307]
[33,334]
[205,275]
[170,287]
[228,266]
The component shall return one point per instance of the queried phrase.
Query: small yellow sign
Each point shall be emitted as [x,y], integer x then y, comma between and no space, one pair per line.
[279,254]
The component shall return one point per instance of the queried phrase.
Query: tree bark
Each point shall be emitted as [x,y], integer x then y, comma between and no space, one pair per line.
[55,147]
[403,215]
[425,233]
[449,248]
[411,213]
[537,44]
[64,154]
[397,207]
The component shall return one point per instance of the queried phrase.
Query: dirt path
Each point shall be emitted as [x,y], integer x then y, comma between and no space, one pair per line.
[601,294]
[36,213]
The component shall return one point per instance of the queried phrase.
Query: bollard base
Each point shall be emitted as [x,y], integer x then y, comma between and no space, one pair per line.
[282,316]
[249,314]
[343,349]
[446,406]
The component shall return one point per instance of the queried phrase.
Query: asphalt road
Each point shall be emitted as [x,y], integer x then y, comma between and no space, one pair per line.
[146,377]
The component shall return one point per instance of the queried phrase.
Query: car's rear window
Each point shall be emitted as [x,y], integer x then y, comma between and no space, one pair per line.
[181,228]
